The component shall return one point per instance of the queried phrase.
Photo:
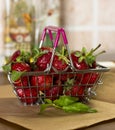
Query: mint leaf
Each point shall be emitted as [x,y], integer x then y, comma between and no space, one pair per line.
[78,108]
[67,104]
[44,106]
[15,75]
[48,101]
[84,50]
[7,67]
[65,101]
[91,110]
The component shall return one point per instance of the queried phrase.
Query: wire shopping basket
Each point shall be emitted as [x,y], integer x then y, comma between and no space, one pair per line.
[78,83]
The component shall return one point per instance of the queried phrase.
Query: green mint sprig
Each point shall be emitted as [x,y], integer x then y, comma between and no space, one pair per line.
[68,104]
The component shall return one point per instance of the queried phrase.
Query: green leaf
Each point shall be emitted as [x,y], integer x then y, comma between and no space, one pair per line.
[84,51]
[81,59]
[65,100]
[7,67]
[68,104]
[44,106]
[48,101]
[91,110]
[24,56]
[15,75]
[78,54]
[36,52]
[79,108]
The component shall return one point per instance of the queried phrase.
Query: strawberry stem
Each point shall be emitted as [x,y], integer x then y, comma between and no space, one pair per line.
[63,50]
[93,50]
[100,53]
[63,55]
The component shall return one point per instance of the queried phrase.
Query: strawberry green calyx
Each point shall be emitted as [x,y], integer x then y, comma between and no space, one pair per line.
[88,56]
[36,52]
[23,57]
[63,55]
[68,85]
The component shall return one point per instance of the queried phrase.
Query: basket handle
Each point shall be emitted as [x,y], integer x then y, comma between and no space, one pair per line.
[58,30]
[49,29]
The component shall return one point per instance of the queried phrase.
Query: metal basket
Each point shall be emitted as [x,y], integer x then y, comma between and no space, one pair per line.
[32,94]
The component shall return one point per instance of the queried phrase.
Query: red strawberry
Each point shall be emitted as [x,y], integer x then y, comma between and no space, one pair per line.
[54,92]
[76,91]
[40,58]
[80,65]
[94,78]
[21,67]
[73,89]
[22,82]
[69,75]
[87,79]
[59,64]
[27,95]
[43,61]
[20,56]
[15,55]
[60,61]
[43,82]
[84,59]
[61,78]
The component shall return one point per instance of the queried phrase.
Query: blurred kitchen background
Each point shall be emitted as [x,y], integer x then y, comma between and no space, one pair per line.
[86,22]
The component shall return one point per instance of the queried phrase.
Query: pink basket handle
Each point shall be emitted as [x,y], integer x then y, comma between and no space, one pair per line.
[58,30]
[49,29]
[64,36]
[53,28]
[43,34]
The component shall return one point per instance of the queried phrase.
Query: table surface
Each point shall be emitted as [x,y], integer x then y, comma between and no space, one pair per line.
[108,125]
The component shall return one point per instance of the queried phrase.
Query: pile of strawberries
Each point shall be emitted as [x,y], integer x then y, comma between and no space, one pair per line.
[32,82]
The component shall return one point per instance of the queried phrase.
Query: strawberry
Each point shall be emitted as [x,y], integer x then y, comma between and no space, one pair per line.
[93,79]
[20,67]
[22,82]
[60,61]
[43,82]
[27,95]
[41,58]
[54,92]
[43,61]
[69,75]
[80,65]
[62,78]
[73,89]
[84,59]
[76,91]
[87,78]
[15,55]
[20,56]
